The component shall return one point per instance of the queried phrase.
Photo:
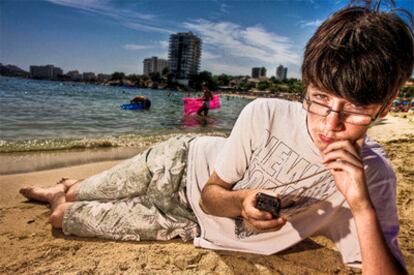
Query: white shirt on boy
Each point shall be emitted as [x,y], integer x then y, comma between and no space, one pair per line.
[269,147]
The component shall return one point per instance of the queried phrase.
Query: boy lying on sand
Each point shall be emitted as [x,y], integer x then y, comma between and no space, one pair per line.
[338,181]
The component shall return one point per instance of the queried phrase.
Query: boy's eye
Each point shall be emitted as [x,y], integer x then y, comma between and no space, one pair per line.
[320,97]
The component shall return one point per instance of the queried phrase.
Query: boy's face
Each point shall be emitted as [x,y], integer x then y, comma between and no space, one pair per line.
[335,126]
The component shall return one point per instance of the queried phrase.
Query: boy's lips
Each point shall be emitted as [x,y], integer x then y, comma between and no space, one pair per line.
[326,139]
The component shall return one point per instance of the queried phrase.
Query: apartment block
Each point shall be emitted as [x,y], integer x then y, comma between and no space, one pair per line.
[154,65]
[88,76]
[184,55]
[74,75]
[281,72]
[57,73]
[41,72]
[258,72]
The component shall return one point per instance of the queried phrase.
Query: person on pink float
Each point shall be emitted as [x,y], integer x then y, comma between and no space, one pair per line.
[207,96]
[315,156]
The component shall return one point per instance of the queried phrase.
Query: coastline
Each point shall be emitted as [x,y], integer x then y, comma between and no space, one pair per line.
[37,158]
[29,245]
[260,94]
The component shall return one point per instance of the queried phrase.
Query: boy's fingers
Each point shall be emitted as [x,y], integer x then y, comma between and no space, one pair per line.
[254,213]
[342,145]
[343,156]
[268,224]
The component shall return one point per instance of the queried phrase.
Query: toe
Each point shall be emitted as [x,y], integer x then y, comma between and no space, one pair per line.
[25,190]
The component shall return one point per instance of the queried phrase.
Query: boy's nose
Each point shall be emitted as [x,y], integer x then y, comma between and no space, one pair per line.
[333,121]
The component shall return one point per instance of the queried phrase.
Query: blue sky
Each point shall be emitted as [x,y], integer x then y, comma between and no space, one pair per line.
[106,36]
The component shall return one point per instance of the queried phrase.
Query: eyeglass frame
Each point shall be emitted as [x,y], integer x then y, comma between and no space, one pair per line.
[330,110]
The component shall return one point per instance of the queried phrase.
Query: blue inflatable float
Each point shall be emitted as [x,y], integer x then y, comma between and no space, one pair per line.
[132,106]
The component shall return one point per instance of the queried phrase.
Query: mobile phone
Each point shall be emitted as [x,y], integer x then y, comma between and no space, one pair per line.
[268,203]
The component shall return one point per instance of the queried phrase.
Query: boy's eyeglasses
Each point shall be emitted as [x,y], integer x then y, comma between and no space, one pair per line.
[345,116]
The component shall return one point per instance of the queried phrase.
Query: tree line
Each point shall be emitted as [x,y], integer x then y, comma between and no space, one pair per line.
[241,83]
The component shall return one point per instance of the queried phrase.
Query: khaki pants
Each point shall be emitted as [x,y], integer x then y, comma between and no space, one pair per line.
[142,198]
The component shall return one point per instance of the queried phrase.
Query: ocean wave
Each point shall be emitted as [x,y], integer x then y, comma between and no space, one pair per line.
[52,144]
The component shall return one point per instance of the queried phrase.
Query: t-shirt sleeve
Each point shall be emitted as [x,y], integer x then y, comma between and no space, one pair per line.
[234,157]
[383,196]
[382,187]
[343,231]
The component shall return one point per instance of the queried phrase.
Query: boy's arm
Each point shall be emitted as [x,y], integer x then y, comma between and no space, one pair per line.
[376,254]
[218,199]
[344,161]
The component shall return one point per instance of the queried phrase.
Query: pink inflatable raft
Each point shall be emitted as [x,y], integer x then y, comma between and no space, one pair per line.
[192,105]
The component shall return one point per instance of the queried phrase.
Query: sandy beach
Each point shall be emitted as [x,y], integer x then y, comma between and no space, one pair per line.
[30,246]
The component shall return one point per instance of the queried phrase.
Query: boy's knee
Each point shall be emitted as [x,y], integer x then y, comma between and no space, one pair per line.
[56,218]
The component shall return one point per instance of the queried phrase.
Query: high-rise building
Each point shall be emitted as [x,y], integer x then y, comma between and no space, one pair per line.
[258,72]
[154,65]
[281,72]
[184,55]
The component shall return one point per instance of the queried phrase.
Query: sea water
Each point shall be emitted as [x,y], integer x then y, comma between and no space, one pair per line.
[48,115]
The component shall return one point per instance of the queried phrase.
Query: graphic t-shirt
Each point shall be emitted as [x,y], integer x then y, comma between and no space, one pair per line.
[270,148]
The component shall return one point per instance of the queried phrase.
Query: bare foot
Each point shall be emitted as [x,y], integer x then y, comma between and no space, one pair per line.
[41,194]
[47,194]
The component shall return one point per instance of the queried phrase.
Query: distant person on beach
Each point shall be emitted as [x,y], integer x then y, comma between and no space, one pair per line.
[330,177]
[143,100]
[207,96]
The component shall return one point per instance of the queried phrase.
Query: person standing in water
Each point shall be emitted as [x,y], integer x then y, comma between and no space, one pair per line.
[207,96]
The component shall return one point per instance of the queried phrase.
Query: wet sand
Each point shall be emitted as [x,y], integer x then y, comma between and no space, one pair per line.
[30,246]
[23,162]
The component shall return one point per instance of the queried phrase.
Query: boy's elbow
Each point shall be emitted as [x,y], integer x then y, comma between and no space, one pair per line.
[204,199]
[203,207]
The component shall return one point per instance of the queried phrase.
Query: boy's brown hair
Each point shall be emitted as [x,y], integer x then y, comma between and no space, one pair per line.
[361,54]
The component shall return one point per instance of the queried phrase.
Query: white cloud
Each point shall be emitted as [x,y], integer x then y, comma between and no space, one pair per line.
[128,18]
[253,43]
[313,23]
[209,55]
[148,28]
[135,47]
[102,7]
[164,44]
[223,8]
[158,48]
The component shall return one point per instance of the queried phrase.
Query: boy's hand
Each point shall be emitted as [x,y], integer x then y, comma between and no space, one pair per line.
[344,161]
[256,219]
